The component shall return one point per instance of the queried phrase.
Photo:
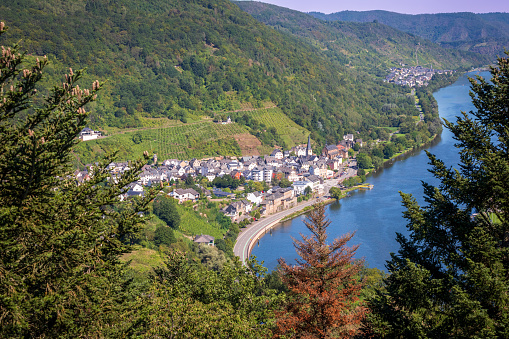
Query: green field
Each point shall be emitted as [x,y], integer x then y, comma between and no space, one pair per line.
[186,141]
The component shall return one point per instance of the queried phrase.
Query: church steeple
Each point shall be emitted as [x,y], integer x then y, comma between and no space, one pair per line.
[309,151]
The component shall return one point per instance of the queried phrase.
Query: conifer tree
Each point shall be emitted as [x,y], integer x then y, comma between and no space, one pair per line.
[60,242]
[450,279]
[324,286]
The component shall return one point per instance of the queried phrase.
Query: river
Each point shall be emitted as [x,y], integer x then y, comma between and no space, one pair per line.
[376,215]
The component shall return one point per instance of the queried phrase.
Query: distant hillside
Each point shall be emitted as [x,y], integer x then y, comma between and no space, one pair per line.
[372,47]
[177,60]
[482,33]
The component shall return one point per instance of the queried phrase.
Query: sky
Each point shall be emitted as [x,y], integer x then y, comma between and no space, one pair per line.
[399,6]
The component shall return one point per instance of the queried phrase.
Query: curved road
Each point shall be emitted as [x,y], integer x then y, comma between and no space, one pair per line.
[248,234]
[241,248]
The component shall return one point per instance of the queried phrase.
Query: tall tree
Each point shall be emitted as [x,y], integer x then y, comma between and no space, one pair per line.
[450,279]
[324,286]
[60,274]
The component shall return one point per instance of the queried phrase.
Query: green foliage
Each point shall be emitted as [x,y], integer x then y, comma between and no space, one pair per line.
[481,33]
[226,181]
[369,45]
[166,209]
[164,236]
[308,190]
[181,61]
[223,220]
[388,150]
[352,181]
[211,257]
[364,161]
[335,192]
[449,278]
[190,301]
[60,242]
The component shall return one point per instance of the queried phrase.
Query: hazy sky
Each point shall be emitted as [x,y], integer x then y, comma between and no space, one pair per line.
[399,6]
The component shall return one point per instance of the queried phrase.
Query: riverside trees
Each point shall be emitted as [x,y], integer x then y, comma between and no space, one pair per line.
[450,278]
[324,286]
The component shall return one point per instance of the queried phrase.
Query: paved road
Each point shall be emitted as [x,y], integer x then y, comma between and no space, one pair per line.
[247,235]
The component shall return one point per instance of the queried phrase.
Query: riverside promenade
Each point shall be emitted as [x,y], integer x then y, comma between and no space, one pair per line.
[248,236]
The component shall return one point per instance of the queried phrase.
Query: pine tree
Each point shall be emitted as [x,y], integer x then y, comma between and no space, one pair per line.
[324,286]
[60,242]
[450,279]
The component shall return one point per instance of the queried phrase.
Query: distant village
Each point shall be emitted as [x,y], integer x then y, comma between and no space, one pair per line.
[305,170]
[416,76]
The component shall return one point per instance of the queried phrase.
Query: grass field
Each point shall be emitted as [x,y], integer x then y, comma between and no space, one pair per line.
[143,260]
[192,224]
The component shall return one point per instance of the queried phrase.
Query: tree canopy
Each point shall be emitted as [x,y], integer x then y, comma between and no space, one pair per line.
[165,208]
[324,285]
[60,242]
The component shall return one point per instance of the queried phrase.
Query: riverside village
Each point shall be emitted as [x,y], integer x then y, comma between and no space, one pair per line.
[269,184]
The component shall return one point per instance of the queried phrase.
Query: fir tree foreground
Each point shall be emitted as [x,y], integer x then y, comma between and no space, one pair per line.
[324,286]
[60,243]
[450,278]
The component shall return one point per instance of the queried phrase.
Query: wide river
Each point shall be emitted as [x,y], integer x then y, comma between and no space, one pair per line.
[376,215]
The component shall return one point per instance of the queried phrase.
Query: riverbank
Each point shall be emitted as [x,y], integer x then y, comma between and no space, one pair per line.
[376,216]
[248,237]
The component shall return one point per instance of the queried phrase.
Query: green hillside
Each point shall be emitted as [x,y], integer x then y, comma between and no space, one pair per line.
[187,61]
[373,47]
[486,33]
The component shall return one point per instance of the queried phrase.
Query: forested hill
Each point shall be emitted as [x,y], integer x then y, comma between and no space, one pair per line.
[486,33]
[182,59]
[373,47]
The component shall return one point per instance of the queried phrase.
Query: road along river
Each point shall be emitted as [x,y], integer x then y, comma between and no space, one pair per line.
[375,215]
[249,236]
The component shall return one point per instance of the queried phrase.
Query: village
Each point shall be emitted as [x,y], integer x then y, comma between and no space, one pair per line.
[415,76]
[302,172]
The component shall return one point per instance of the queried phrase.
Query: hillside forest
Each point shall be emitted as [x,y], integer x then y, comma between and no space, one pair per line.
[171,62]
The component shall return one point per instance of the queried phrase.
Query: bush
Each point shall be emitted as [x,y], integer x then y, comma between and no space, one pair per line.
[164,236]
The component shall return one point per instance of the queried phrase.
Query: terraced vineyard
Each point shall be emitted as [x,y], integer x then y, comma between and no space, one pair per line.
[191,141]
[291,133]
[196,140]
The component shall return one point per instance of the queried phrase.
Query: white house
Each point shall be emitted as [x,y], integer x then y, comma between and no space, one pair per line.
[277,154]
[300,186]
[255,197]
[185,195]
[267,174]
[257,174]
[89,134]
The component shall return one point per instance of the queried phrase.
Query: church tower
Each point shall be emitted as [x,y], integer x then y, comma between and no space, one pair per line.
[309,151]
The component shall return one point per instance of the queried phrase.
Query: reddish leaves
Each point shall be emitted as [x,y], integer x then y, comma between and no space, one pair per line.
[324,286]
